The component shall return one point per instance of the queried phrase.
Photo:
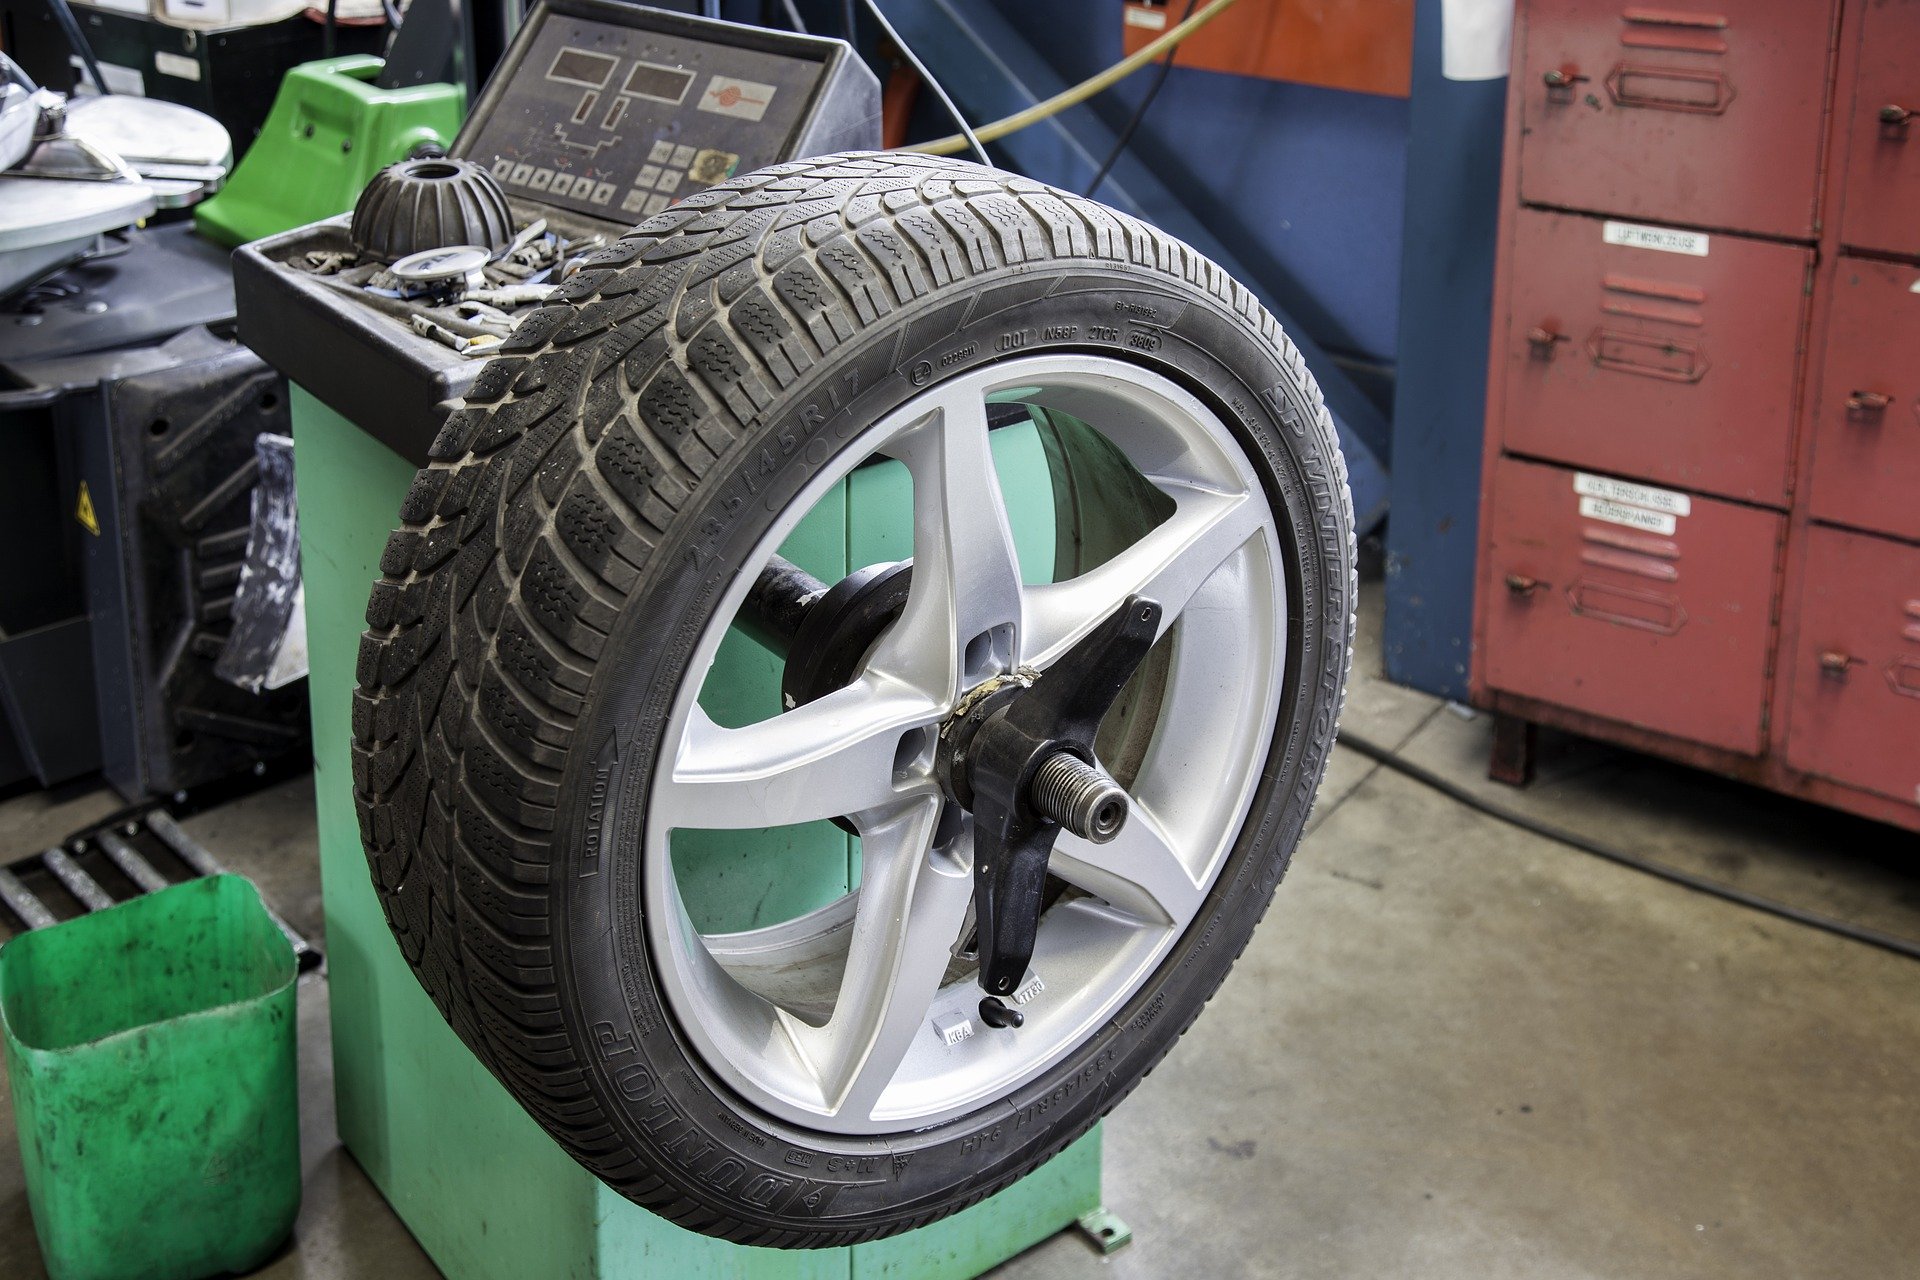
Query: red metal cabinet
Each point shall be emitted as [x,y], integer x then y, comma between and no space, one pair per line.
[1703,112]
[1866,419]
[1882,120]
[1856,669]
[1643,605]
[1700,522]
[1663,354]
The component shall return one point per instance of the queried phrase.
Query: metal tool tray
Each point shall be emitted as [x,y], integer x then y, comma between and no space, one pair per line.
[362,363]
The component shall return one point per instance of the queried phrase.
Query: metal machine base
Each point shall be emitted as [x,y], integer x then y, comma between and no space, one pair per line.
[1105,1231]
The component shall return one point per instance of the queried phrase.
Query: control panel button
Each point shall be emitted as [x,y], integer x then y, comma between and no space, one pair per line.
[713,166]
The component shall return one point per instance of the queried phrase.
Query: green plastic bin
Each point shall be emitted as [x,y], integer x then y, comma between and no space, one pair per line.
[150,1048]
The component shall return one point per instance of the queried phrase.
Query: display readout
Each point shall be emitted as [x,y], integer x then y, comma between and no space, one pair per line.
[662,84]
[616,122]
[582,67]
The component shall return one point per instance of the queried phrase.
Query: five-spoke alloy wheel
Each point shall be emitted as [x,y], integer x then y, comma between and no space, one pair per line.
[848,684]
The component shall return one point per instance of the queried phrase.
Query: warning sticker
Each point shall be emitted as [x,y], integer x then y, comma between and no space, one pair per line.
[1665,239]
[84,513]
[1632,517]
[746,99]
[1633,495]
[711,166]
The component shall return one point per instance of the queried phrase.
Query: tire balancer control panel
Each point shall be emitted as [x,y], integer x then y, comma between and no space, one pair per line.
[609,112]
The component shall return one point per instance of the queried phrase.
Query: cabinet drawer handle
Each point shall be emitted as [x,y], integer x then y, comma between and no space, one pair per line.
[1523,586]
[1867,405]
[1834,664]
[1542,340]
[1895,122]
[1560,82]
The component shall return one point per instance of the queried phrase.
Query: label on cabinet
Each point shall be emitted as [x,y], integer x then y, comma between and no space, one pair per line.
[1632,517]
[1633,495]
[1665,239]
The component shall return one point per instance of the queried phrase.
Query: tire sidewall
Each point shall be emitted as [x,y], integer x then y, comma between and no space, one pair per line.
[716,1148]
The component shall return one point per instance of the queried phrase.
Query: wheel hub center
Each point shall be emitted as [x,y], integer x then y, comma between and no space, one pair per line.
[977,706]
[1017,753]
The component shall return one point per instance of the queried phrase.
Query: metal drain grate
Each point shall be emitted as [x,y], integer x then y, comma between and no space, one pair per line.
[137,854]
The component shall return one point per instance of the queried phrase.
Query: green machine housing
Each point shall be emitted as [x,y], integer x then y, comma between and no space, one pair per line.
[478,1182]
[332,127]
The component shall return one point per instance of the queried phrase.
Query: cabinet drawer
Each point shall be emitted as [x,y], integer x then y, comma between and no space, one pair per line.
[1866,419]
[1856,666]
[1882,166]
[1642,605]
[1707,113]
[1660,354]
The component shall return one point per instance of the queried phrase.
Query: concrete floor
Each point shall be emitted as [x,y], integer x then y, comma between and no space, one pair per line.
[1453,1049]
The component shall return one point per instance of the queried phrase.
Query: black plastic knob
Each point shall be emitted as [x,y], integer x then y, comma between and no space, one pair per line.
[430,204]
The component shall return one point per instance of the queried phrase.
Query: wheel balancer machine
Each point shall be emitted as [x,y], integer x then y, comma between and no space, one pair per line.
[599,116]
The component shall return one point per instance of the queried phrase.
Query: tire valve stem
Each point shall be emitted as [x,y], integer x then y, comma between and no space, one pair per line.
[996,1014]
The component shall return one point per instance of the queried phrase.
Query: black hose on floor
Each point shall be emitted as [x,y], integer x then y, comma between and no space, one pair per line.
[1390,759]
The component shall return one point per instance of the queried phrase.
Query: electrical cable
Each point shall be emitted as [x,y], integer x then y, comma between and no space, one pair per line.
[1139,112]
[77,41]
[394,18]
[849,18]
[15,73]
[968,138]
[793,16]
[712,9]
[1390,759]
[1079,93]
[332,27]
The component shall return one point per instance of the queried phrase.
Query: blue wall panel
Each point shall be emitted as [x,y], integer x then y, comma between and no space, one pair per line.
[1305,185]
[993,70]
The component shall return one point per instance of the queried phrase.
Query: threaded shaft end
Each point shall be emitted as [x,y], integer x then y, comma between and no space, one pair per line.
[1080,797]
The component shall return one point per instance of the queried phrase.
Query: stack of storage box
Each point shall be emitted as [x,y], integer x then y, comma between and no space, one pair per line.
[1701,505]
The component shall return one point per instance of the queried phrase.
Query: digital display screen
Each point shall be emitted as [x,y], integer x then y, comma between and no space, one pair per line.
[662,84]
[618,120]
[577,66]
